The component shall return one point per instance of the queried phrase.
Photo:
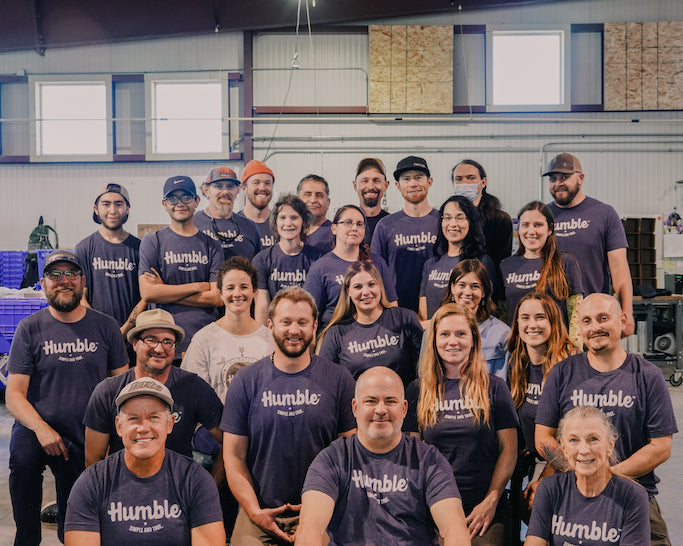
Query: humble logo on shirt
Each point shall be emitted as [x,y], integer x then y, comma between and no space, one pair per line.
[533,393]
[289,400]
[415,242]
[610,399]
[373,344]
[70,347]
[372,486]
[570,227]
[267,240]
[193,257]
[120,264]
[288,276]
[233,237]
[118,512]
[522,280]
[439,278]
[584,531]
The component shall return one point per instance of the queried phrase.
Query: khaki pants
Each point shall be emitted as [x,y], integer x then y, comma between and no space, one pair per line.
[659,534]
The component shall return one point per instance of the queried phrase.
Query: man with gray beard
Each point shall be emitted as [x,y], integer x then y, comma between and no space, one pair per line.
[57,356]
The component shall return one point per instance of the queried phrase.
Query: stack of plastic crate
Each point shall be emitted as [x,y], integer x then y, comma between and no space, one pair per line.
[11,268]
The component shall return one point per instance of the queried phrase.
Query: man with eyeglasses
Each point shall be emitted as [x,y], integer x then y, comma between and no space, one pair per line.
[592,231]
[371,184]
[237,235]
[257,184]
[154,339]
[110,259]
[179,263]
[405,239]
[58,355]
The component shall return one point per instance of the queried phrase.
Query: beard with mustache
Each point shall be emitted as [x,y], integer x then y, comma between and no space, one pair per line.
[62,302]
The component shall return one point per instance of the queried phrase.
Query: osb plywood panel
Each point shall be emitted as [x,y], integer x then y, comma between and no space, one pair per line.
[643,66]
[411,69]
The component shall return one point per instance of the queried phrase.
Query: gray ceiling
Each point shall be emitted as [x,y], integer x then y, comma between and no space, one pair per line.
[45,24]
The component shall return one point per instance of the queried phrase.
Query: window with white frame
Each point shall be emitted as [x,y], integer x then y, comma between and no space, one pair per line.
[187,116]
[527,69]
[72,118]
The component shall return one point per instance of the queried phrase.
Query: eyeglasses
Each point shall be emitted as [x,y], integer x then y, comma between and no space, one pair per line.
[57,274]
[559,177]
[152,343]
[460,218]
[350,223]
[224,185]
[220,236]
[185,199]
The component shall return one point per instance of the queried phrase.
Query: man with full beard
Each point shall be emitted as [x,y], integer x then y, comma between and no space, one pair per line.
[110,259]
[257,183]
[280,412]
[371,184]
[57,357]
[592,231]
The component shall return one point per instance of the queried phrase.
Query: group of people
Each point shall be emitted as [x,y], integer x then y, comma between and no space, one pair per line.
[377,378]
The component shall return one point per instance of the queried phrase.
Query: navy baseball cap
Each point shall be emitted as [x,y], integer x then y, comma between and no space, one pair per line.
[411,163]
[180,182]
[61,256]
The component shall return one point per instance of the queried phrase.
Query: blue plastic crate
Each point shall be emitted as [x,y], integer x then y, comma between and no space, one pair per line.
[12,268]
[13,310]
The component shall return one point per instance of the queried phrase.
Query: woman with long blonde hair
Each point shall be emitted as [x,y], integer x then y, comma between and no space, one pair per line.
[469,416]
[365,330]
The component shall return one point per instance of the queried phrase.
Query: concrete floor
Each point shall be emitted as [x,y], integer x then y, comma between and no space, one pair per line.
[670,473]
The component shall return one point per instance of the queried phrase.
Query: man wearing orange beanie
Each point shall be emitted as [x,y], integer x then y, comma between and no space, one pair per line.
[257,184]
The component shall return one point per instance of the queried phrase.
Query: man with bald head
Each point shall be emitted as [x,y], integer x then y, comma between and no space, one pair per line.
[628,388]
[378,485]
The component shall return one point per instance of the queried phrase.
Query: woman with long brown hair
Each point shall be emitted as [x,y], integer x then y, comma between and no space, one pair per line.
[539,266]
[468,415]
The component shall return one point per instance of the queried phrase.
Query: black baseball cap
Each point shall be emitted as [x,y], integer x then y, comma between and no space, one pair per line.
[411,163]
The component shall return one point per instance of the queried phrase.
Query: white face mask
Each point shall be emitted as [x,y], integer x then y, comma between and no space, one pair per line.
[471,191]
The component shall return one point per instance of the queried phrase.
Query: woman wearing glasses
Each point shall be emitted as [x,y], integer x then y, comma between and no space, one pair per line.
[459,238]
[287,262]
[365,331]
[324,280]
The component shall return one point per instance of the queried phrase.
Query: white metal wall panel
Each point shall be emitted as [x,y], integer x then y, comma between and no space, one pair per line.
[334,70]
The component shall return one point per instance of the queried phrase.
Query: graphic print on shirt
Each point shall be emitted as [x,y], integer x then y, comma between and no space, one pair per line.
[376,488]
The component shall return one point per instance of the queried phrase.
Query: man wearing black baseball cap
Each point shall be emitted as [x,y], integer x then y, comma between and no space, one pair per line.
[110,259]
[371,184]
[405,239]
[178,264]
[592,231]
[57,356]
[145,488]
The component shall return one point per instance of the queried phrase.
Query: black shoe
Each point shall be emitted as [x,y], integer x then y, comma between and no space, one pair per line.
[49,513]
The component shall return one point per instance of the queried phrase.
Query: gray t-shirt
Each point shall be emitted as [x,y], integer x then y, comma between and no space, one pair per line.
[241,236]
[276,270]
[382,498]
[125,509]
[265,233]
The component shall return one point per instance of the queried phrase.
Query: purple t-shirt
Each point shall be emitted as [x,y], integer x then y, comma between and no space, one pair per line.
[111,274]
[265,233]
[393,340]
[406,243]
[527,411]
[589,231]
[321,238]
[288,419]
[245,239]
[183,260]
[125,509]
[195,402]
[382,498]
[325,278]
[435,274]
[634,397]
[371,223]
[562,516]
[471,450]
[520,275]
[65,361]
[277,270]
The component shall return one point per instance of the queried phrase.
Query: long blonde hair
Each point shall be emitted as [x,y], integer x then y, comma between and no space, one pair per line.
[345,307]
[474,379]
[559,346]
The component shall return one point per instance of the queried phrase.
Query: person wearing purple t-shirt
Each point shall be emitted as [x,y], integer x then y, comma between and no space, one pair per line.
[365,331]
[592,232]
[314,191]
[405,239]
[288,261]
[257,184]
[57,357]
[589,504]
[380,486]
[237,235]
[178,264]
[110,259]
[280,412]
[371,184]
[144,494]
[627,387]
[469,416]
[324,279]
